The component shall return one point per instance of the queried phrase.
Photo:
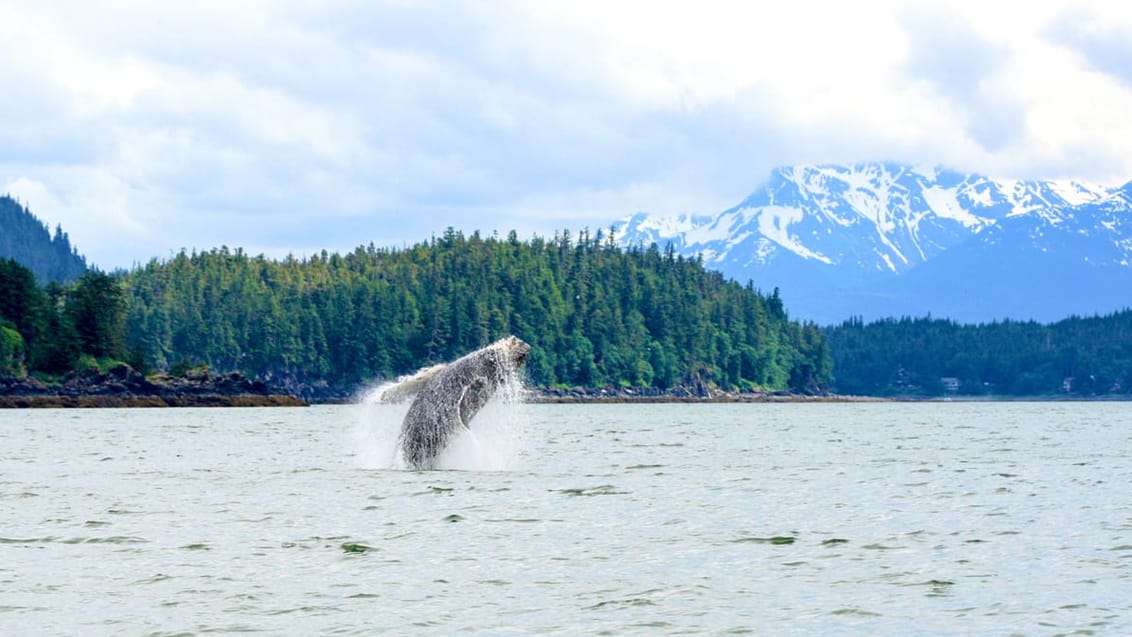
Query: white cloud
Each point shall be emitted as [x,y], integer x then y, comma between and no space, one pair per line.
[144,128]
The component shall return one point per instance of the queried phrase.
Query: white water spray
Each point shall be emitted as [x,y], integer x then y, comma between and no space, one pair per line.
[494,441]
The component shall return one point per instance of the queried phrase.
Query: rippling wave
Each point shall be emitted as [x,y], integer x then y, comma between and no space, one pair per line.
[972,518]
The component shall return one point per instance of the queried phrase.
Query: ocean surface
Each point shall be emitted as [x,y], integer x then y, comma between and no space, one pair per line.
[764,519]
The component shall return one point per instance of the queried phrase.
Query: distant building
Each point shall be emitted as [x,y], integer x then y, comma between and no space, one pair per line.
[950,384]
[1067,384]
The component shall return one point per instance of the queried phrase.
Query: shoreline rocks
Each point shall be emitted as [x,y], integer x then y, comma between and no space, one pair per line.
[584,395]
[123,386]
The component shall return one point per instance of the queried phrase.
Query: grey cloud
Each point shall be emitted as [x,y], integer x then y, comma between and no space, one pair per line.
[1105,47]
[454,109]
[959,65]
[36,122]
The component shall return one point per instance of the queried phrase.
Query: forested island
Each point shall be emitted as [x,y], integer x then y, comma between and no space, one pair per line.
[596,315]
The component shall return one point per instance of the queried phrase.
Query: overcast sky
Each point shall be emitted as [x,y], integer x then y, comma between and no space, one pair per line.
[290,127]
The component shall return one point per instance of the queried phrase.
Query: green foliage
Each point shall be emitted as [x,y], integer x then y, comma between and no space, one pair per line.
[185,368]
[56,325]
[86,362]
[1076,356]
[594,314]
[59,350]
[20,299]
[97,310]
[24,309]
[11,353]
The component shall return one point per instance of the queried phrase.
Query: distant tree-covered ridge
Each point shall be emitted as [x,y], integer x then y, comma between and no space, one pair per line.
[27,240]
[931,357]
[595,314]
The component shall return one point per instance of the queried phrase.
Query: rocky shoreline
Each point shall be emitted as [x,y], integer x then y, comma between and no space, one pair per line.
[610,395]
[123,386]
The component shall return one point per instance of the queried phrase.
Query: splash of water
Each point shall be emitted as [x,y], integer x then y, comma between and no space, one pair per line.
[494,441]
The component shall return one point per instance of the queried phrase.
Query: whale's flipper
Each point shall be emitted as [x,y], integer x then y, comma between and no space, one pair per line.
[474,397]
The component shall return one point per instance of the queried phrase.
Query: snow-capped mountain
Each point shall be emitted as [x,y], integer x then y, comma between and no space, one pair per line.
[882,239]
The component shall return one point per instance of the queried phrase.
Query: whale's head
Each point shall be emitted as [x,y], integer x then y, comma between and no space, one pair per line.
[516,350]
[509,353]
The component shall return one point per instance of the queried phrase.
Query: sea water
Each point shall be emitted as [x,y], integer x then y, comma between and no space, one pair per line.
[770,519]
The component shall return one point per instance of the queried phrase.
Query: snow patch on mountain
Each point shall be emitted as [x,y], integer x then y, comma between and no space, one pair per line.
[665,226]
[774,224]
[1076,193]
[945,204]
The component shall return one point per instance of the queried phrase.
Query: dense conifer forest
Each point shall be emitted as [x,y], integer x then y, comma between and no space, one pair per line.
[26,239]
[596,315]
[1076,357]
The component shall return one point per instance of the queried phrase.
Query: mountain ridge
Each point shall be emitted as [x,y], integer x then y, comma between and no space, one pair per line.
[844,240]
[26,239]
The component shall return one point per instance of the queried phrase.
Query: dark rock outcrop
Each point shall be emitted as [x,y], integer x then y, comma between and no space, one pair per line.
[123,386]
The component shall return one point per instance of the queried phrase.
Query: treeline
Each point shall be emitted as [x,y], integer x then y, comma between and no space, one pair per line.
[595,314]
[26,239]
[926,357]
[51,329]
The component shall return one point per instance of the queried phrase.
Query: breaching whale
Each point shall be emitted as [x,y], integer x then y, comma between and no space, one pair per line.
[448,396]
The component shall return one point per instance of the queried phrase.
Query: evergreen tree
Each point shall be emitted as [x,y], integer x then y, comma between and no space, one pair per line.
[20,299]
[96,308]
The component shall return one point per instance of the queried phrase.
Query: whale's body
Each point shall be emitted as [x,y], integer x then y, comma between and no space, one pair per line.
[447,397]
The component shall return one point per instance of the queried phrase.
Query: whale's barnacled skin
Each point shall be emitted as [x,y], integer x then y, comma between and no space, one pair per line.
[449,396]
